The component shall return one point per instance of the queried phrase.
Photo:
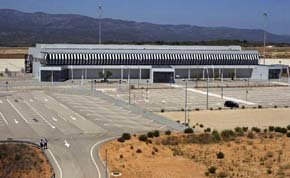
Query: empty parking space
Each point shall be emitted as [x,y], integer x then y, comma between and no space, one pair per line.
[172,98]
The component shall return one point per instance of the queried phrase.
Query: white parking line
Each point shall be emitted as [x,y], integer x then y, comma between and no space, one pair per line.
[60,171]
[1,102]
[19,113]
[217,96]
[16,121]
[73,118]
[45,120]
[68,108]
[53,118]
[3,117]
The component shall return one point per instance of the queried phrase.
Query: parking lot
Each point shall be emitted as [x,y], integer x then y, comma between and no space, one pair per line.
[172,98]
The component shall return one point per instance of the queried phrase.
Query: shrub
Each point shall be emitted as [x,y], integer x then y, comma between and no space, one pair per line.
[283,130]
[156,133]
[143,138]
[121,139]
[182,109]
[138,150]
[220,155]
[162,110]
[271,128]
[288,134]
[211,109]
[265,130]
[188,130]
[228,134]
[178,121]
[260,106]
[275,106]
[222,174]
[155,149]
[216,135]
[243,107]
[251,135]
[212,170]
[126,136]
[197,109]
[245,129]
[121,156]
[131,147]
[288,127]
[269,171]
[256,129]
[168,132]
[207,130]
[280,130]
[239,131]
[201,126]
[150,135]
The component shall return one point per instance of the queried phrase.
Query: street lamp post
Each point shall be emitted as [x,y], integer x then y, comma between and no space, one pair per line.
[185,103]
[207,89]
[265,34]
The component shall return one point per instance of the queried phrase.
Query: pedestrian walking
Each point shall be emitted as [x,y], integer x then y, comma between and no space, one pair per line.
[41,144]
[45,143]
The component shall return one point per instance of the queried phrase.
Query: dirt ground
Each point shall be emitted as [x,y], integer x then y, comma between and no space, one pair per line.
[23,161]
[13,53]
[264,156]
[273,52]
[229,119]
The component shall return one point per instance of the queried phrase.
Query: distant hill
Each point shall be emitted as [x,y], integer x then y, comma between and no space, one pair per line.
[22,29]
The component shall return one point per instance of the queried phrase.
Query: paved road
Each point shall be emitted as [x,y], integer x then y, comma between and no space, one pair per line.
[75,122]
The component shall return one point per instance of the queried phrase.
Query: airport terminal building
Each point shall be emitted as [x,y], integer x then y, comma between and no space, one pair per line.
[158,64]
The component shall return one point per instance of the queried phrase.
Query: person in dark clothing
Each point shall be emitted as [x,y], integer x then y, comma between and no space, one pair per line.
[41,144]
[45,143]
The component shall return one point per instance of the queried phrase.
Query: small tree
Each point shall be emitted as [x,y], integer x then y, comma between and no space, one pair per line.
[105,75]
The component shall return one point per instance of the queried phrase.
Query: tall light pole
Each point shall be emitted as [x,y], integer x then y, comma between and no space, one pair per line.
[265,34]
[100,13]
[185,102]
[207,89]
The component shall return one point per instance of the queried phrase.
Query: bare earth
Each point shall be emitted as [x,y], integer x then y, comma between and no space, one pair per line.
[23,161]
[229,119]
[265,156]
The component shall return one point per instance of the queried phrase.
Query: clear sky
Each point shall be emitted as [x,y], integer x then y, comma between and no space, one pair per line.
[217,13]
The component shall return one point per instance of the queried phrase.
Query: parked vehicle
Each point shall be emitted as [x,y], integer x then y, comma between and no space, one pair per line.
[231,104]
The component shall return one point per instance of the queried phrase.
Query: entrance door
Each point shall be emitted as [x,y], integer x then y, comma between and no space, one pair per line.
[163,77]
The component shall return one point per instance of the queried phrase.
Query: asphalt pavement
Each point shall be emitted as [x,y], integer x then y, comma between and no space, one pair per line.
[76,121]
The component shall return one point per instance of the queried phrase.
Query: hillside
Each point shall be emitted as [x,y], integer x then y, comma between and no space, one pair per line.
[23,29]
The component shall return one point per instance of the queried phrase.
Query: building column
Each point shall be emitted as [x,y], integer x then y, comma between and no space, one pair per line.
[203,74]
[235,73]
[219,73]
[188,74]
[122,73]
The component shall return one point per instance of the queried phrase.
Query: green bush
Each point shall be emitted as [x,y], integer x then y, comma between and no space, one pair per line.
[271,128]
[188,130]
[283,130]
[143,138]
[245,129]
[216,136]
[150,135]
[201,126]
[265,130]
[121,139]
[138,150]
[168,132]
[212,170]
[156,133]
[162,110]
[126,136]
[256,129]
[228,134]
[220,155]
[288,134]
[288,127]
[208,130]
[251,135]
